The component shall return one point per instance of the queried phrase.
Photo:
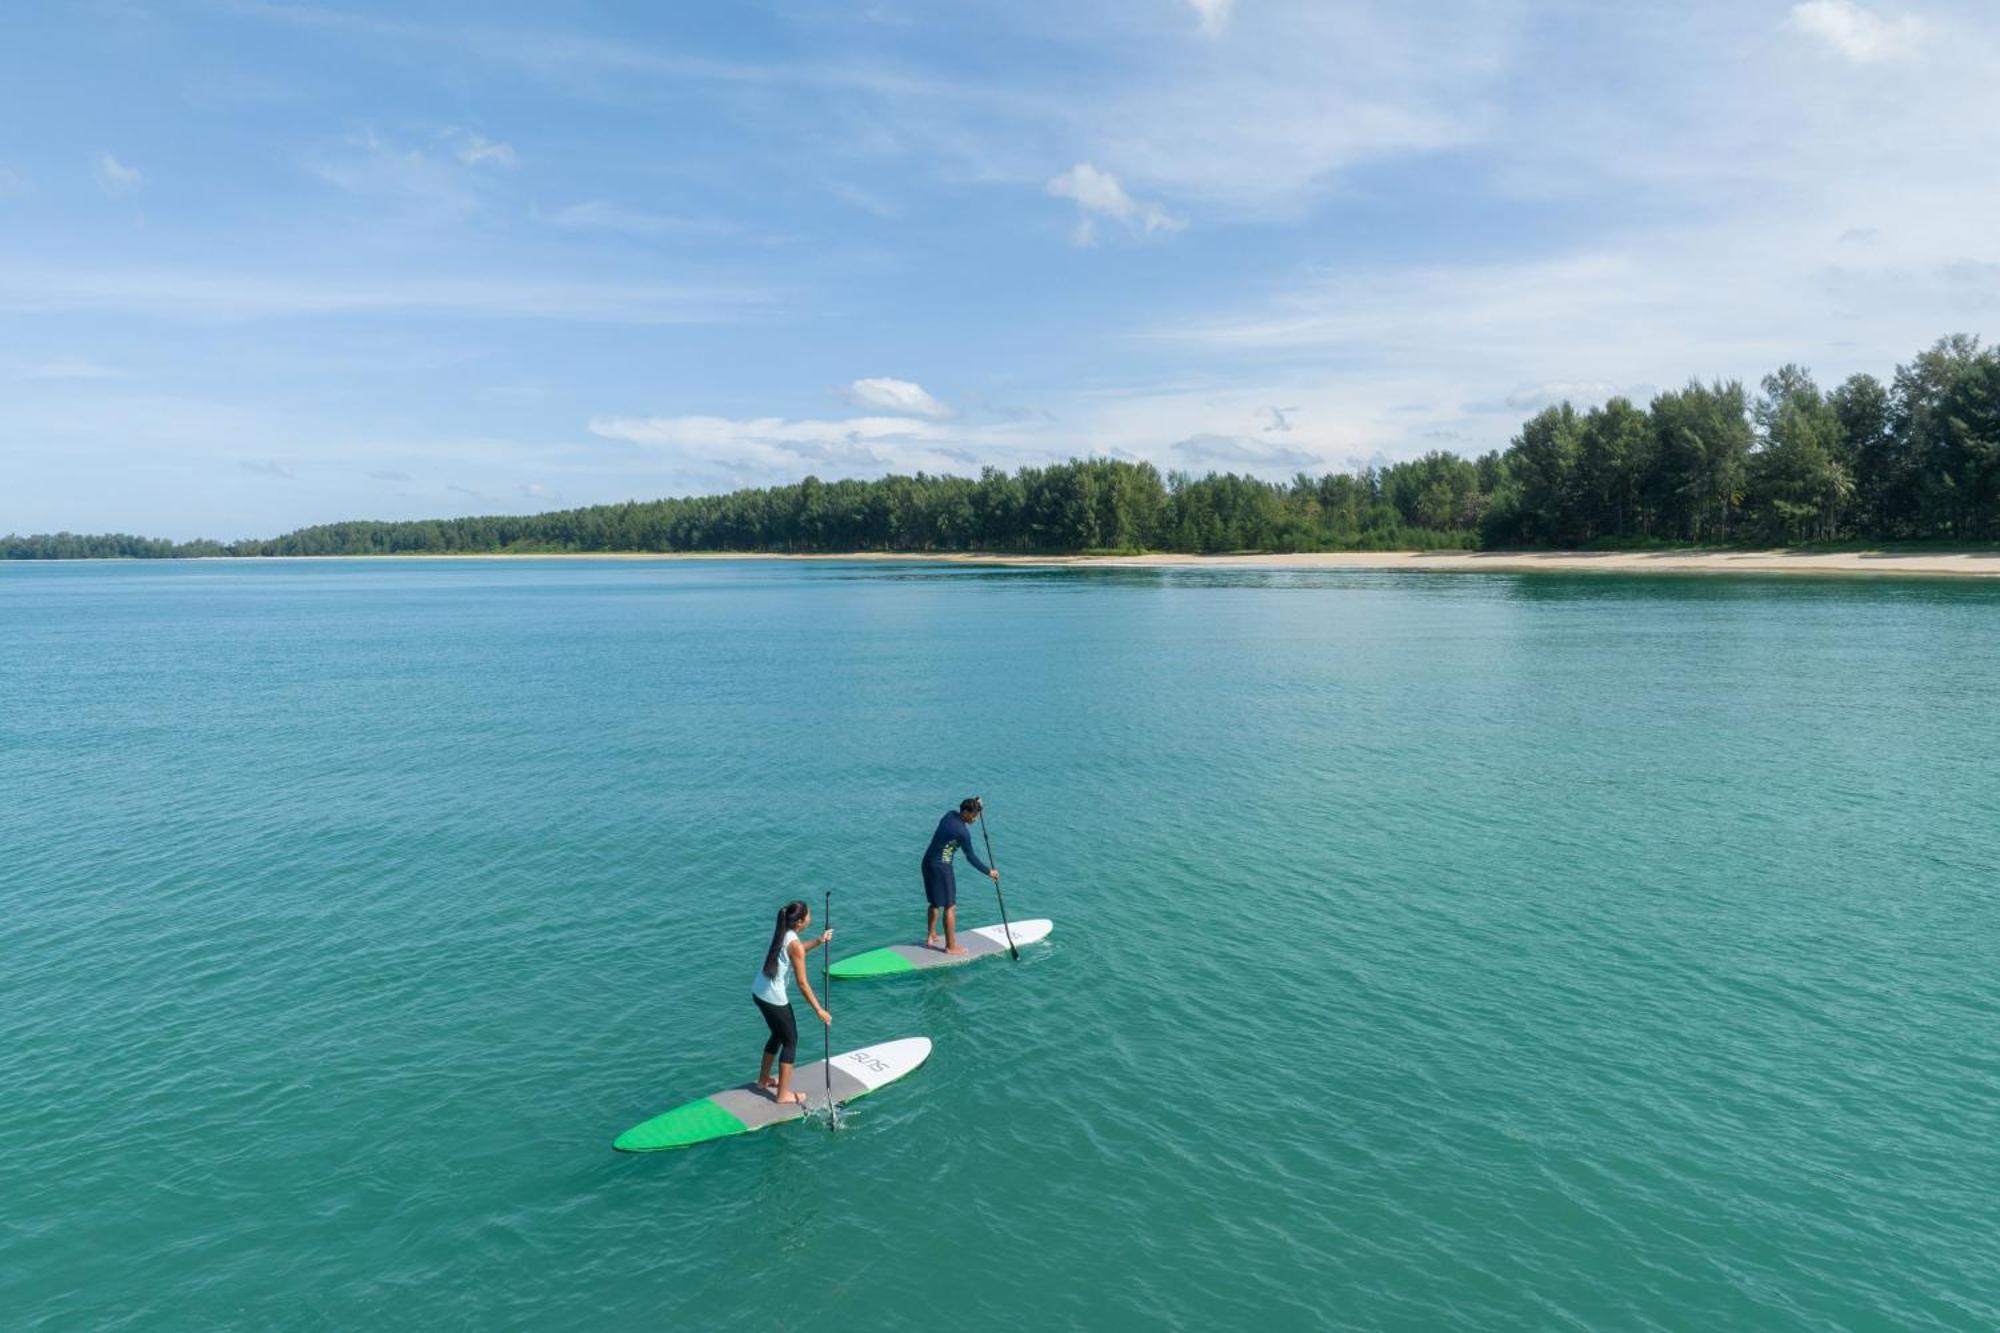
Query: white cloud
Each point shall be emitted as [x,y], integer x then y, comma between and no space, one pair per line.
[68,368]
[897,396]
[1099,195]
[699,432]
[476,150]
[868,201]
[1414,352]
[268,467]
[724,452]
[1260,130]
[761,450]
[1214,14]
[1197,425]
[13,184]
[223,294]
[1221,423]
[603,215]
[1857,33]
[1235,451]
[114,177]
[1254,130]
[372,167]
[1581,393]
[447,178]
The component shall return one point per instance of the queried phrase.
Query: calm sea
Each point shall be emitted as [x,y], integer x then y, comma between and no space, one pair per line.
[1433,952]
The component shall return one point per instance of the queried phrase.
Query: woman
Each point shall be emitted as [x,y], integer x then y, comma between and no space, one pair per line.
[785,959]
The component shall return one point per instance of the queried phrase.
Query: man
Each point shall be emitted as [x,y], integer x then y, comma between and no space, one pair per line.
[954,834]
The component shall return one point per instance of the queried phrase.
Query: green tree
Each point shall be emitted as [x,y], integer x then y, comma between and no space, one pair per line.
[1926,502]
[1703,437]
[1868,450]
[1798,486]
[1544,462]
[1617,454]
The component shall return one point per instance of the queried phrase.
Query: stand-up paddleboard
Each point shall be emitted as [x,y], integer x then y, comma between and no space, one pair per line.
[741,1109]
[900,958]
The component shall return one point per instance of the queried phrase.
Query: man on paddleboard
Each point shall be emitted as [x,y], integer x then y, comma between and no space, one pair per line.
[954,835]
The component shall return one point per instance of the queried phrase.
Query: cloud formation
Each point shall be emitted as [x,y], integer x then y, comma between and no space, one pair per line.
[1098,195]
[603,215]
[1581,393]
[1236,452]
[68,368]
[232,294]
[710,450]
[440,179]
[1406,237]
[1859,34]
[476,150]
[1214,14]
[114,177]
[894,395]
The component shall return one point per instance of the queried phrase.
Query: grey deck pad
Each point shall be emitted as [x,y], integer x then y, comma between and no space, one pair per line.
[755,1108]
[975,946]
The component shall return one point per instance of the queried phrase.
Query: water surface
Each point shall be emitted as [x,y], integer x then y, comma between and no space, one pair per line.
[1442,952]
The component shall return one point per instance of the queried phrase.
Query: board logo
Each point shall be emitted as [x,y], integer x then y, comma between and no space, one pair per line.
[867,1061]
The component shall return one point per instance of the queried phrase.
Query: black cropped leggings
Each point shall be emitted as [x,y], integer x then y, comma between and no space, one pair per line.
[784,1042]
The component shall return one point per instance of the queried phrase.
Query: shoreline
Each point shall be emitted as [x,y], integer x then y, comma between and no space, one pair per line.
[1942,564]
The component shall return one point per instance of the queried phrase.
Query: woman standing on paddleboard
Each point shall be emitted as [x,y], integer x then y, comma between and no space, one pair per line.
[783,961]
[954,835]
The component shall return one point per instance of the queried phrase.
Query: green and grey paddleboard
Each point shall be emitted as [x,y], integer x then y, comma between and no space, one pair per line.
[983,942]
[741,1109]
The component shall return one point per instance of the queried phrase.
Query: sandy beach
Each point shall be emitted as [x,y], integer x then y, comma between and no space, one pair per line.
[1961,563]
[1941,564]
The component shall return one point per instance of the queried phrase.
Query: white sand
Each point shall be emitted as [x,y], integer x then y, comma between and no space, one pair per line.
[1980,564]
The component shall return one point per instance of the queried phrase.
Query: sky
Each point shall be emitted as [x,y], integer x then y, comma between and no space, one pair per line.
[270,264]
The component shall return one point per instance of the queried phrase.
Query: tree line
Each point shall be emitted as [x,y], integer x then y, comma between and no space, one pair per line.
[1915,459]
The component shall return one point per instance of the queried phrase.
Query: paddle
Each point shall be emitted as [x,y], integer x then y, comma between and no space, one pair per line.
[826,1029]
[988,838]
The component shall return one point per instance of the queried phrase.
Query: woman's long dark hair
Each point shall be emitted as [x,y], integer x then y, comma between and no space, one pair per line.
[789,917]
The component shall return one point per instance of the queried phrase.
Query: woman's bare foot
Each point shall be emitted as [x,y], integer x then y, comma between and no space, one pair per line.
[767,1082]
[793,1099]
[930,942]
[959,948]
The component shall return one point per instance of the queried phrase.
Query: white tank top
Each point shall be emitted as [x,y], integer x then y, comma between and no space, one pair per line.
[771,990]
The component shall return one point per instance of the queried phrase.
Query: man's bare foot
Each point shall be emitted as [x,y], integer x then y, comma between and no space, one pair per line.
[958,948]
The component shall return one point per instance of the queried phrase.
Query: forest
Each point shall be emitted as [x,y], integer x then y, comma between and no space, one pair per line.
[1915,459]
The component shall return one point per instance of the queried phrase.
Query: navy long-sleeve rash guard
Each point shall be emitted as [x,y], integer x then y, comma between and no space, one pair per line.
[953,836]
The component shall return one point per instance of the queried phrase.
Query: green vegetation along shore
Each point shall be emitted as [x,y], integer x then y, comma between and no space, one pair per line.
[1916,459]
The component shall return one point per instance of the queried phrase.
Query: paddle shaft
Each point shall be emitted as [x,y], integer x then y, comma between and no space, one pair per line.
[988,839]
[826,993]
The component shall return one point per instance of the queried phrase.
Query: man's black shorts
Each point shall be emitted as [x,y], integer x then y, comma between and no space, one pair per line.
[940,886]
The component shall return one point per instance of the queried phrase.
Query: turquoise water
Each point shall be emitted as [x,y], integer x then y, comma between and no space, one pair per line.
[1433,952]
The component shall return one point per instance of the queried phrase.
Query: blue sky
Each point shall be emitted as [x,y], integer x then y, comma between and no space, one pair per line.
[266,264]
